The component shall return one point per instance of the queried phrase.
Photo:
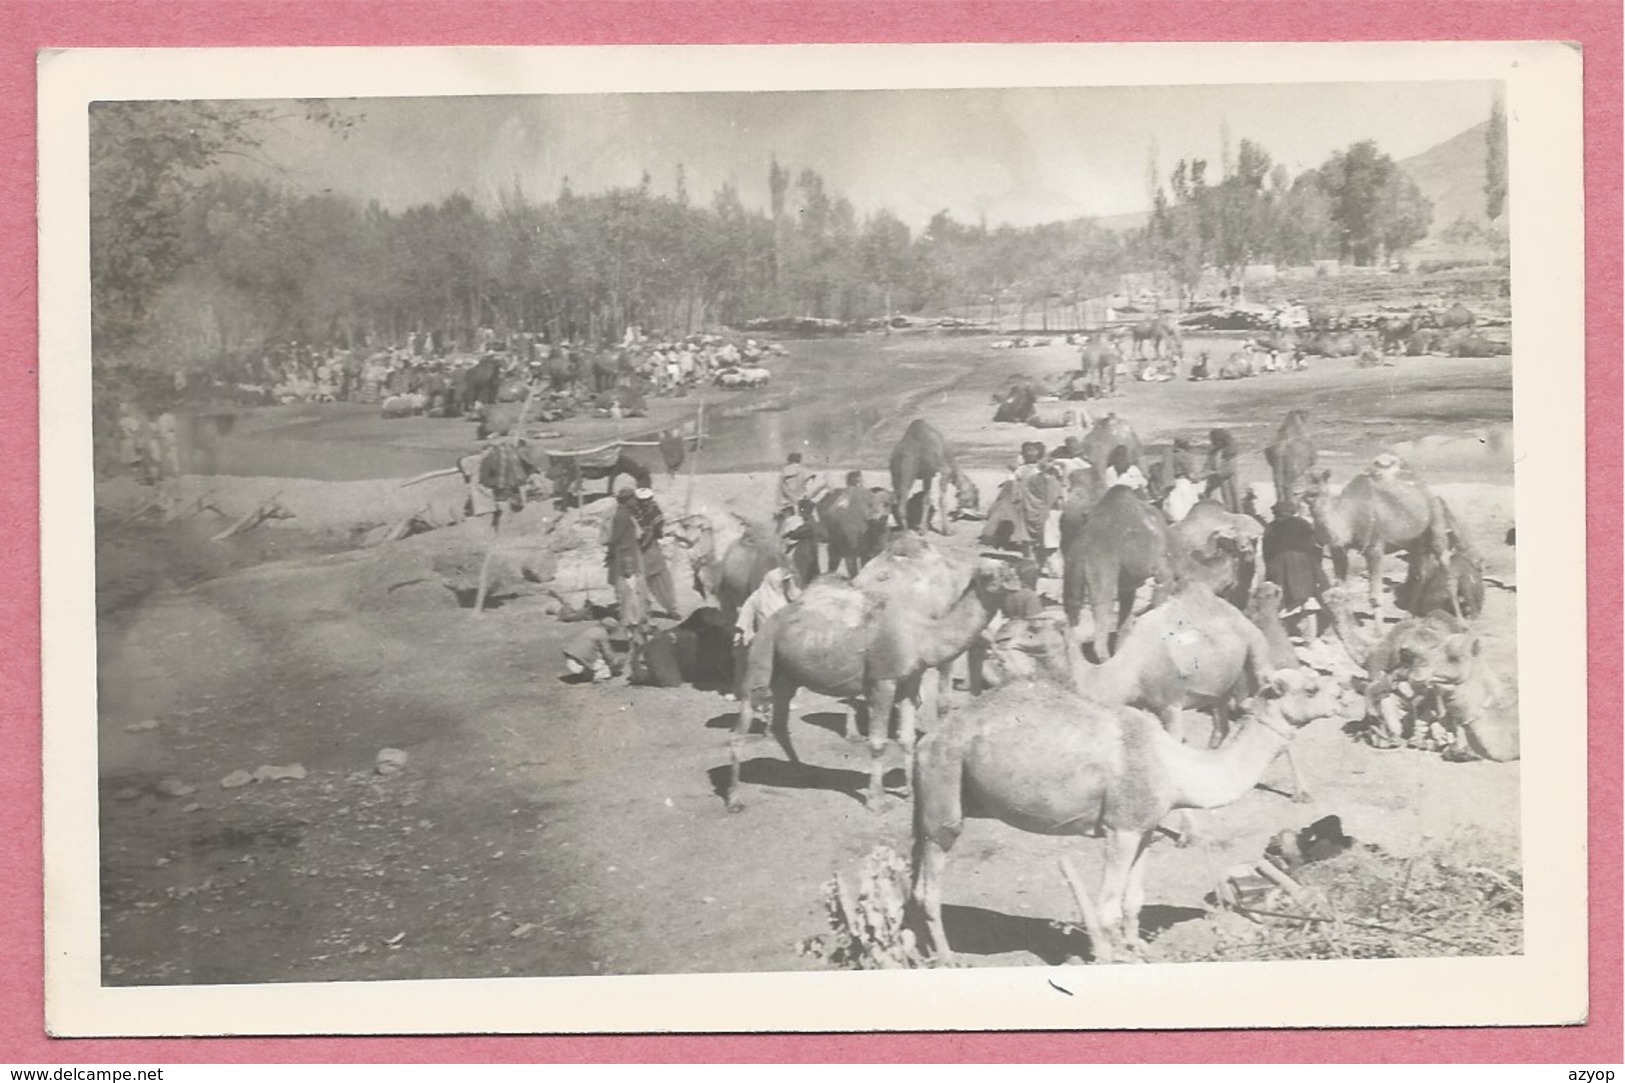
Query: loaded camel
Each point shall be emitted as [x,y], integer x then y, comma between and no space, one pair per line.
[1047,760]
[923,455]
[1382,510]
[728,555]
[1219,547]
[841,639]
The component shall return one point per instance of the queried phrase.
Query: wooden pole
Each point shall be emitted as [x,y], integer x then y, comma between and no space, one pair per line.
[693,460]
[496,516]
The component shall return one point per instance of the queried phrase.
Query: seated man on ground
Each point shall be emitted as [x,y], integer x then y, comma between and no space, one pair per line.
[591,656]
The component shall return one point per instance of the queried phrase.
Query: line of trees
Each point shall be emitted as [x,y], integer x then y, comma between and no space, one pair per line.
[1358,206]
[190,261]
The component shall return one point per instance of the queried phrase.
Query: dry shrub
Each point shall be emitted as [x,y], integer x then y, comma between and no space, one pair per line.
[867,919]
[1462,897]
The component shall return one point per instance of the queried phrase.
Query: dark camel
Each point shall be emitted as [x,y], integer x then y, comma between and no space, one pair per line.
[1291,456]
[1107,552]
[854,539]
[923,456]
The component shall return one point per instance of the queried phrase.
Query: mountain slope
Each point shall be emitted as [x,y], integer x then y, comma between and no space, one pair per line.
[1451,174]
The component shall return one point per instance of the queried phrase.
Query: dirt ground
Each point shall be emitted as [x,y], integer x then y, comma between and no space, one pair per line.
[544,828]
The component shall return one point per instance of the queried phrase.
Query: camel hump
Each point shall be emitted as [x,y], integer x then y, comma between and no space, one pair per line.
[837,602]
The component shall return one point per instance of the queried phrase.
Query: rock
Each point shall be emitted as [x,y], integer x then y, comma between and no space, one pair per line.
[191,806]
[389,761]
[143,726]
[174,787]
[237,778]
[128,793]
[268,773]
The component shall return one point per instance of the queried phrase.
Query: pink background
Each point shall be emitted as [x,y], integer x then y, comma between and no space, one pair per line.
[33,26]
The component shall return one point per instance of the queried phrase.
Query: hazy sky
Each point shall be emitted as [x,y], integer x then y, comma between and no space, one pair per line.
[1016,155]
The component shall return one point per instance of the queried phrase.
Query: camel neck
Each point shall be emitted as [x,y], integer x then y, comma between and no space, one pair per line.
[953,633]
[1210,778]
[1109,682]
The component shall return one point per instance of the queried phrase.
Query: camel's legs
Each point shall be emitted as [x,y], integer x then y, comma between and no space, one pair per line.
[938,820]
[1100,605]
[855,727]
[736,742]
[1221,724]
[1099,942]
[779,726]
[1122,848]
[1126,592]
[880,696]
[1373,573]
[908,725]
[1300,792]
[783,696]
[1134,892]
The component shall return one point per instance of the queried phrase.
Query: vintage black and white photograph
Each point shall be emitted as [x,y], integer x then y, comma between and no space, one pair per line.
[1046,528]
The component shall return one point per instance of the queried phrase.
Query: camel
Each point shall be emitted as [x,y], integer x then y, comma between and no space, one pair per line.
[1478,710]
[840,639]
[922,455]
[1161,334]
[1219,547]
[1107,551]
[1329,344]
[853,539]
[728,553]
[1291,456]
[1382,510]
[1046,760]
[1265,612]
[1404,663]
[1426,582]
[1110,432]
[1195,650]
[1457,316]
[1098,360]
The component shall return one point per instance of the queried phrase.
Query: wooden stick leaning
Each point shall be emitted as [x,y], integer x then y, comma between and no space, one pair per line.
[1098,943]
[252,519]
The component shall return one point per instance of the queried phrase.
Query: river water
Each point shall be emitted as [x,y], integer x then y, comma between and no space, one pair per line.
[841,402]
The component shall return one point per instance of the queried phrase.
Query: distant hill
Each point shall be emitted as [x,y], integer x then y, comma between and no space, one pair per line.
[1123,222]
[1451,174]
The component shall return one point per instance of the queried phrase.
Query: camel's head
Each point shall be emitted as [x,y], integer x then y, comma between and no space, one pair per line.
[1267,598]
[1304,697]
[995,579]
[1454,662]
[1026,645]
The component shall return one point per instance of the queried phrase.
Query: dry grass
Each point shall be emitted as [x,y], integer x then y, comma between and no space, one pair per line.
[866,918]
[1461,898]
